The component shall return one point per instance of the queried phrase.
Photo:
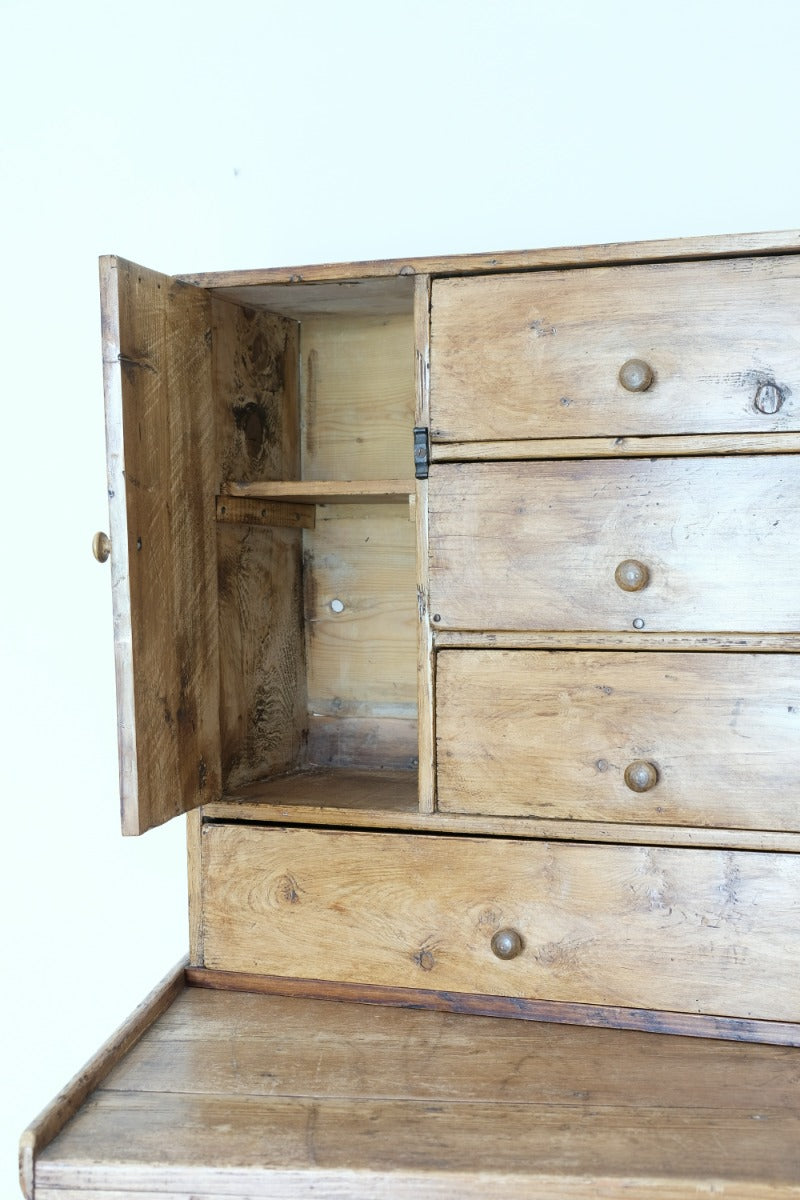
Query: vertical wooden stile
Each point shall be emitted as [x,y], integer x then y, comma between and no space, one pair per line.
[425,664]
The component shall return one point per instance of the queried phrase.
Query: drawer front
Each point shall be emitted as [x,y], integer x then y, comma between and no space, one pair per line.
[549,546]
[687,930]
[540,355]
[653,738]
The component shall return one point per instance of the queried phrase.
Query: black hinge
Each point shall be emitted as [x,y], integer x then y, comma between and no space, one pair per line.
[422,456]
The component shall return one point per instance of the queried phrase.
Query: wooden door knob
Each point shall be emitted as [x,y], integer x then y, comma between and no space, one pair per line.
[636,375]
[632,575]
[641,776]
[101,546]
[506,943]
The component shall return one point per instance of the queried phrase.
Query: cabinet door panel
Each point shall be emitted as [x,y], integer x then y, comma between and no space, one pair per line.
[161,487]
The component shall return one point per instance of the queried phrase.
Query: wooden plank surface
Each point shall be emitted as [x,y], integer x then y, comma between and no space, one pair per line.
[686,930]
[236,1095]
[262,712]
[508,450]
[384,798]
[357,387]
[611,253]
[425,667]
[527,732]
[535,546]
[52,1119]
[538,356]
[240,510]
[628,639]
[339,491]
[160,447]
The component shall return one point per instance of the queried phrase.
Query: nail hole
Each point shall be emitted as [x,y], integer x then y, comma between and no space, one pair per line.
[138,543]
[437,617]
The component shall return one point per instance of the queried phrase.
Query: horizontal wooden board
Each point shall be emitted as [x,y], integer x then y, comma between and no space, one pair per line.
[527,546]
[387,799]
[539,355]
[239,1095]
[616,447]
[688,930]
[663,250]
[551,734]
[340,491]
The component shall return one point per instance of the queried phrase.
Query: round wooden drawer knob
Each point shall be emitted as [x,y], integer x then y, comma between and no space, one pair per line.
[101,546]
[506,943]
[632,575]
[636,375]
[641,776]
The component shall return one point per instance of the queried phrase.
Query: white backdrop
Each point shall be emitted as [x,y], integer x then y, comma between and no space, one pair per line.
[194,136]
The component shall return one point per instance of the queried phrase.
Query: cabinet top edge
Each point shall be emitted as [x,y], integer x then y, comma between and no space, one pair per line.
[607,254]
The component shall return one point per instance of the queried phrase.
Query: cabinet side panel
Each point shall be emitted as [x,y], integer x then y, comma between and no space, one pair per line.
[160,445]
[262,655]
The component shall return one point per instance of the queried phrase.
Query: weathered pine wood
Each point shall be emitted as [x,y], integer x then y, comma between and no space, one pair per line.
[601,925]
[361,612]
[297,1097]
[713,643]
[160,446]
[235,510]
[52,1119]
[552,734]
[609,254]
[194,873]
[306,492]
[510,357]
[384,798]
[425,668]
[508,1008]
[616,447]
[262,713]
[357,385]
[532,546]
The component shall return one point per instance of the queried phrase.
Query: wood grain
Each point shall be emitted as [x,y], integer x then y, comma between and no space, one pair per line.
[538,355]
[242,1095]
[237,510]
[383,799]
[263,715]
[552,734]
[52,1119]
[357,384]
[508,1008]
[509,450]
[609,925]
[160,448]
[532,546]
[425,669]
[339,491]
[262,712]
[629,639]
[611,253]
[360,630]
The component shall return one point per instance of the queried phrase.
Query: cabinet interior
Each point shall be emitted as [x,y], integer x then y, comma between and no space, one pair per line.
[314,394]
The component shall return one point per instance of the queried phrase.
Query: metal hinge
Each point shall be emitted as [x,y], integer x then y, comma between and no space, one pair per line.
[422,457]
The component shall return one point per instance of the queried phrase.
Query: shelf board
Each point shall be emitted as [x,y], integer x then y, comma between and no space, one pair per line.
[324,491]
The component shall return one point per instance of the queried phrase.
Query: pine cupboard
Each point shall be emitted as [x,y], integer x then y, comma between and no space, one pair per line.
[456,603]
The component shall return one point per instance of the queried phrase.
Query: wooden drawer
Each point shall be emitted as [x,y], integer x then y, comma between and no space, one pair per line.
[539,355]
[536,545]
[688,930]
[711,738]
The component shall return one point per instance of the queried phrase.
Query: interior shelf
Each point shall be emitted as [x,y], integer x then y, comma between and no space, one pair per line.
[315,491]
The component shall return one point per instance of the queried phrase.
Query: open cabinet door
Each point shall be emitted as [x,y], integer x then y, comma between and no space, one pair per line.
[161,487]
